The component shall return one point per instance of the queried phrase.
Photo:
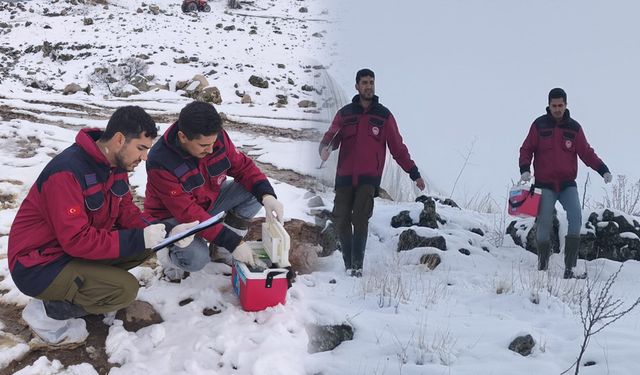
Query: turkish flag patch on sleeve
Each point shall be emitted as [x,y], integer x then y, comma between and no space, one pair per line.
[73,211]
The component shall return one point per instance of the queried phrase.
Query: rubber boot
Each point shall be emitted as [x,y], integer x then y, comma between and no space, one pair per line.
[63,310]
[544,252]
[359,247]
[346,246]
[571,245]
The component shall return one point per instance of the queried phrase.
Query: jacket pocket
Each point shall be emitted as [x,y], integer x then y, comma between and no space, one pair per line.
[119,188]
[349,131]
[192,182]
[94,201]
[376,121]
[351,120]
[216,168]
[545,139]
[74,286]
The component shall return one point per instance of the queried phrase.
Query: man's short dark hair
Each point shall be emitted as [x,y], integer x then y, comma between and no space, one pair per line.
[199,118]
[557,93]
[132,121]
[364,73]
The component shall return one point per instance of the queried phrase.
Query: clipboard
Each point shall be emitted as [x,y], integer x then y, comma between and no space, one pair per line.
[213,220]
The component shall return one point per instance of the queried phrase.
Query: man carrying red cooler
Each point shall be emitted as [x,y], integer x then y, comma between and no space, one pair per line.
[554,142]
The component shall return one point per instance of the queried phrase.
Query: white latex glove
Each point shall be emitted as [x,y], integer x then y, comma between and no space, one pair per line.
[183,228]
[525,176]
[244,254]
[607,177]
[271,205]
[153,234]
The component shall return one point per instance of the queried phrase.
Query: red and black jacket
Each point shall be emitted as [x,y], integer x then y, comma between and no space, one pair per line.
[186,188]
[71,212]
[554,147]
[363,136]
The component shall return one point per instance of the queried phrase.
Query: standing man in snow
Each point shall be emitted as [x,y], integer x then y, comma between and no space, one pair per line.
[362,130]
[554,142]
[78,232]
[187,180]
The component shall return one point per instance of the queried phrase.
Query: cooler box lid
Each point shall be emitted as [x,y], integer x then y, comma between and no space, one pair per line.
[276,242]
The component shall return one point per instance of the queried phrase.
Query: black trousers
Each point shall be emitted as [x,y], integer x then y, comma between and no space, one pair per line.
[352,208]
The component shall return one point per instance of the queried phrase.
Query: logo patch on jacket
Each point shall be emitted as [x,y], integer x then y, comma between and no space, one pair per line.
[568,143]
[173,193]
[375,130]
[221,179]
[73,211]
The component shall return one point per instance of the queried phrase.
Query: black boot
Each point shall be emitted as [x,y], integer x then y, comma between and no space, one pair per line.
[359,247]
[63,310]
[544,252]
[346,245]
[571,245]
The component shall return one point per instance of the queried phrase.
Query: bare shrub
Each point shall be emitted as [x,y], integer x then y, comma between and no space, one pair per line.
[480,202]
[466,158]
[496,234]
[598,309]
[116,77]
[393,287]
[624,196]
[423,347]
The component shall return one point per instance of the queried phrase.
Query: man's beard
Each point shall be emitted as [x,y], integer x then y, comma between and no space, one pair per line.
[120,163]
[367,95]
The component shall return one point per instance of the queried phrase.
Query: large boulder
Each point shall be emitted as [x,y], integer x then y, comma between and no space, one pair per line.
[258,82]
[323,338]
[329,239]
[71,89]
[211,95]
[523,232]
[307,242]
[522,345]
[202,82]
[138,314]
[409,239]
[140,82]
[431,260]
[445,201]
[403,219]
[428,216]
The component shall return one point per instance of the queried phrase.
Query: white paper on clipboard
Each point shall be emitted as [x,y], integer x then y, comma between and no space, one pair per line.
[200,227]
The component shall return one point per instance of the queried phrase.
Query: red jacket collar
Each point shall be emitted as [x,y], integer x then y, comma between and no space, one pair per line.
[86,139]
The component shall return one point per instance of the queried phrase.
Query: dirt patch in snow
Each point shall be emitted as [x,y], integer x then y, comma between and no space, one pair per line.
[92,352]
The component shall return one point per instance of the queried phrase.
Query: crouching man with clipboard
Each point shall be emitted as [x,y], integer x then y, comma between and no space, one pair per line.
[187,183]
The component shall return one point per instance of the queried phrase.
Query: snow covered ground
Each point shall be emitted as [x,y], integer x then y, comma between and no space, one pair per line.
[456,319]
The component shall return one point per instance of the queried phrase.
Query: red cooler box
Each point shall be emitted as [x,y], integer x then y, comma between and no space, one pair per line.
[524,201]
[259,290]
[260,287]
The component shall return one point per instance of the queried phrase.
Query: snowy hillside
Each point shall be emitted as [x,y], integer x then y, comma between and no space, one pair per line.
[52,44]
[425,310]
